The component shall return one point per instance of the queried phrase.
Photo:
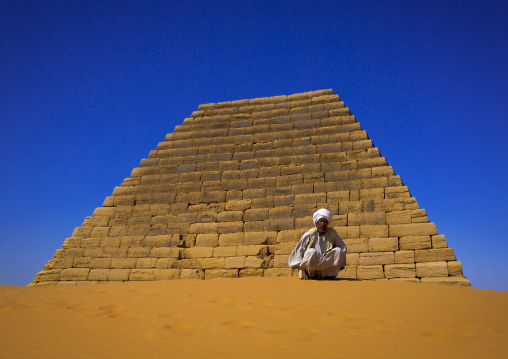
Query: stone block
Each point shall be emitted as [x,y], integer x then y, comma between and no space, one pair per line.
[250,272]
[230,216]
[142,274]
[194,263]
[139,252]
[191,274]
[221,273]
[434,255]
[400,271]
[352,259]
[453,281]
[98,274]
[100,263]
[238,205]
[279,224]
[389,244]
[356,245]
[366,218]
[373,258]
[415,242]
[234,262]
[398,217]
[280,260]
[278,272]
[348,231]
[252,250]
[454,268]
[162,252]
[412,229]
[230,227]
[207,240]
[231,239]
[439,241]
[197,252]
[123,263]
[374,230]
[289,236]
[200,228]
[369,272]
[74,274]
[260,237]
[48,275]
[348,272]
[213,263]
[431,269]
[228,251]
[166,263]
[119,274]
[146,263]
[257,262]
[404,257]
[257,214]
[166,274]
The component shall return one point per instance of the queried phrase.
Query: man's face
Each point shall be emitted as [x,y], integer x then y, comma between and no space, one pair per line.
[321,225]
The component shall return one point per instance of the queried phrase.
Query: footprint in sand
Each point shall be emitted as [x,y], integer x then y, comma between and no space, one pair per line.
[238,324]
[183,325]
[109,310]
[341,317]
[113,307]
[124,315]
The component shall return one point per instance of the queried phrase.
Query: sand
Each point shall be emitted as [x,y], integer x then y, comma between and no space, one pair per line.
[251,318]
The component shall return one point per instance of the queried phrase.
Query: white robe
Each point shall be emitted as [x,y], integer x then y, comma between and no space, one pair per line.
[317,260]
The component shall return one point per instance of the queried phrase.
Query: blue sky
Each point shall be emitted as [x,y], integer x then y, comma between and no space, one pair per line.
[88,88]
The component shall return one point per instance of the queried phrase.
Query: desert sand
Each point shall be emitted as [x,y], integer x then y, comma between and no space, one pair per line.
[251,318]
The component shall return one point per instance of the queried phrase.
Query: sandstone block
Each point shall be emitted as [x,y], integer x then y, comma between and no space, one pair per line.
[238,205]
[230,227]
[253,238]
[194,263]
[348,232]
[74,274]
[252,250]
[400,271]
[439,241]
[282,248]
[453,281]
[256,262]
[213,263]
[228,251]
[404,257]
[431,269]
[289,236]
[48,275]
[455,268]
[280,261]
[98,274]
[198,252]
[142,274]
[434,255]
[166,263]
[146,263]
[278,272]
[369,272]
[348,272]
[100,263]
[234,262]
[249,272]
[123,263]
[199,228]
[207,240]
[165,252]
[398,217]
[415,242]
[118,274]
[192,274]
[352,259]
[257,214]
[373,258]
[139,252]
[279,224]
[366,218]
[221,273]
[412,229]
[230,216]
[388,244]
[356,245]
[231,239]
[374,230]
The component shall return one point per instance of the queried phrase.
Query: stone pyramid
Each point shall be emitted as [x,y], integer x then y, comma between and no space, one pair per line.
[230,192]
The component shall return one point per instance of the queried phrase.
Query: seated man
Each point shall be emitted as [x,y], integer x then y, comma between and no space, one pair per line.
[320,253]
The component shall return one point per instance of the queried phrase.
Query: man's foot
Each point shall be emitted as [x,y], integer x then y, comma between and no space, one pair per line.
[305,274]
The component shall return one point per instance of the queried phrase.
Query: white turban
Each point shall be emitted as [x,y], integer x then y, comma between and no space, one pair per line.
[322,213]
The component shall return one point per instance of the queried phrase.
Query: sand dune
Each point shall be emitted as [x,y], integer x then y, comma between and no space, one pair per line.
[251,318]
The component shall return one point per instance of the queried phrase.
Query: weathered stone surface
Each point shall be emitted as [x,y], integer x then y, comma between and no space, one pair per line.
[434,255]
[412,229]
[376,258]
[431,269]
[415,242]
[278,272]
[348,272]
[454,281]
[404,257]
[400,271]
[74,274]
[369,272]
[142,274]
[221,273]
[454,268]
[388,244]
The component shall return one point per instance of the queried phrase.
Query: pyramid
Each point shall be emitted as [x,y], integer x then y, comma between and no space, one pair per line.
[231,191]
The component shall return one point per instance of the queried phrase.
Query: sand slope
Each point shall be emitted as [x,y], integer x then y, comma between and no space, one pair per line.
[251,318]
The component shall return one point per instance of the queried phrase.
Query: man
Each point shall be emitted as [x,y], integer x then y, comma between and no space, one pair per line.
[320,253]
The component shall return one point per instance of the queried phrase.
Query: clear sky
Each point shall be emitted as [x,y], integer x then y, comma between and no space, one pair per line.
[88,88]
